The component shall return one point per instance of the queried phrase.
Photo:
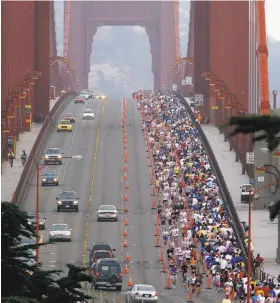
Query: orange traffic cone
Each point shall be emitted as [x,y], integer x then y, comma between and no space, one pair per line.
[125,243]
[151,180]
[125,209]
[125,233]
[157,242]
[125,197]
[125,141]
[157,219]
[161,258]
[153,191]
[153,204]
[152,171]
[125,271]
[125,176]
[129,284]
[168,282]
[190,295]
[125,160]
[125,168]
[127,258]
[157,231]
[163,267]
[126,154]
[126,186]
[209,282]
[125,222]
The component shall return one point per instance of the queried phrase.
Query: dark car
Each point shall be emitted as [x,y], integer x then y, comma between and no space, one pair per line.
[79,100]
[32,220]
[67,200]
[101,254]
[107,273]
[70,117]
[101,246]
[50,178]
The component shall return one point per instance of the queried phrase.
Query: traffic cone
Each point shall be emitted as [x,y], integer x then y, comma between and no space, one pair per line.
[157,231]
[151,180]
[163,267]
[126,186]
[125,271]
[153,191]
[209,282]
[153,204]
[125,168]
[127,258]
[125,160]
[152,171]
[125,243]
[190,295]
[150,162]
[124,141]
[129,284]
[157,219]
[157,242]
[125,233]
[125,146]
[125,222]
[168,282]
[125,176]
[125,197]
[161,258]
[125,209]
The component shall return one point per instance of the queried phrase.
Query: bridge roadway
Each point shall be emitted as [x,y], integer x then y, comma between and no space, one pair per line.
[107,189]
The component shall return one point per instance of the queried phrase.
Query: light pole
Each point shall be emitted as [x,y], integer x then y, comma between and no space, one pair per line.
[39,168]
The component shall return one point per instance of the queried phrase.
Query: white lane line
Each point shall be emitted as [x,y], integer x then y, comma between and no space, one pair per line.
[71,146]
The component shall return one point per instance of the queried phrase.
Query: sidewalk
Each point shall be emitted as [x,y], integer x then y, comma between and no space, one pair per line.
[264,232]
[11,175]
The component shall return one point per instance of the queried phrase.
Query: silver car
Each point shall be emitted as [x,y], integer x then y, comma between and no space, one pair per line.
[60,232]
[141,293]
[53,155]
[107,212]
[88,114]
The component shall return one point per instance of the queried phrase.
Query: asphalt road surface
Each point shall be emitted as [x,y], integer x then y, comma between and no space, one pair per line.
[97,180]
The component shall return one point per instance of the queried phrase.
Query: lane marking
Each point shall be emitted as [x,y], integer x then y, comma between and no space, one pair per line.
[92,184]
[122,183]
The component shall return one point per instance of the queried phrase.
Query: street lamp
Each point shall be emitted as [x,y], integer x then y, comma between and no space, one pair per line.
[39,168]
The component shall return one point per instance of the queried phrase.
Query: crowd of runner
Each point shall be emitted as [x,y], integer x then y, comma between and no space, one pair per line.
[196,229]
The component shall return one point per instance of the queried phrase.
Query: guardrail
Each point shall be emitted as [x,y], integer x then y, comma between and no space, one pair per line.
[225,193]
[38,146]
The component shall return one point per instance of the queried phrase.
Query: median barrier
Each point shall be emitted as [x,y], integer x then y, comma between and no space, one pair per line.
[30,165]
[224,191]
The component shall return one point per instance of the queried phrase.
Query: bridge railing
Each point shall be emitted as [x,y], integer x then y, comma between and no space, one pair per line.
[30,165]
[225,193]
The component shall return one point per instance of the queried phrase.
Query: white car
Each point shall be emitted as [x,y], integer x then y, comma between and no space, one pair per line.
[141,293]
[60,232]
[107,212]
[88,114]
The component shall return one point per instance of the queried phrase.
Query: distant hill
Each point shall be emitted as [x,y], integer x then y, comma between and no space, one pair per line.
[121,58]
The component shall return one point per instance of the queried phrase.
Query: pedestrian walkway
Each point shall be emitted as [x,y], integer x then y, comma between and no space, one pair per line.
[10,175]
[264,232]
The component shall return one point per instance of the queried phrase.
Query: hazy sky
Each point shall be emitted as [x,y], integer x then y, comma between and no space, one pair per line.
[273,18]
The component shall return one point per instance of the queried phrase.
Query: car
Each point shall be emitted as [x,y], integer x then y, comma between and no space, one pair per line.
[107,273]
[79,99]
[60,232]
[100,97]
[141,293]
[104,246]
[42,221]
[87,93]
[64,125]
[70,117]
[50,178]
[101,254]
[53,155]
[88,114]
[107,212]
[67,200]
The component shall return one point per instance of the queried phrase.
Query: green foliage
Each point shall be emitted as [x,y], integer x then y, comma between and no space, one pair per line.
[24,281]
[270,125]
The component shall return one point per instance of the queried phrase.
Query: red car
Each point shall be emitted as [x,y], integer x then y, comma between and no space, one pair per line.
[101,254]
[70,117]
[79,100]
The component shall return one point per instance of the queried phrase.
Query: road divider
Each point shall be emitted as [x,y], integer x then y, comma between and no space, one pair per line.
[85,242]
